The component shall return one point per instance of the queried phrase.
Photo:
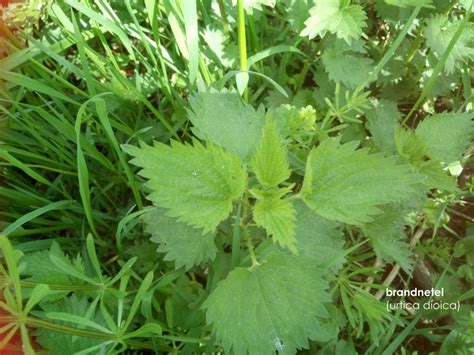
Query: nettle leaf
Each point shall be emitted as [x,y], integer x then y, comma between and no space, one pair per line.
[405,3]
[40,268]
[446,136]
[196,184]
[439,31]
[297,11]
[223,119]
[346,185]
[183,244]
[387,235]
[277,216]
[62,343]
[412,148]
[271,307]
[270,162]
[318,238]
[329,16]
[346,68]
[382,122]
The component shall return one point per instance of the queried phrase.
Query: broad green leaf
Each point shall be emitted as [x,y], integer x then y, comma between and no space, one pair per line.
[318,238]
[196,184]
[382,121]
[439,31]
[225,120]
[271,307]
[446,136]
[329,16]
[270,162]
[277,216]
[346,68]
[346,185]
[183,244]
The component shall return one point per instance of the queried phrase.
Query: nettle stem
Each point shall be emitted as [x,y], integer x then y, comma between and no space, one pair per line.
[242,41]
[250,247]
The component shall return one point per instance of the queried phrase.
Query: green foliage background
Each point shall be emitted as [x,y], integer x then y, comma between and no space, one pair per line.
[205,176]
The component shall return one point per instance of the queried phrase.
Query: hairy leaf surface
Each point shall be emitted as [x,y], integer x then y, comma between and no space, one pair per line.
[196,184]
[270,162]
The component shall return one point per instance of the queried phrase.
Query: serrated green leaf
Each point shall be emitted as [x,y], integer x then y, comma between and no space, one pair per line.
[318,238]
[270,162]
[412,148]
[183,244]
[62,343]
[277,216]
[346,68]
[225,120]
[386,232]
[272,307]
[39,268]
[297,13]
[439,31]
[394,251]
[446,136]
[196,184]
[329,16]
[345,184]
[382,122]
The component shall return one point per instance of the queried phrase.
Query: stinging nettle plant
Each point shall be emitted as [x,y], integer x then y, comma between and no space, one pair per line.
[233,188]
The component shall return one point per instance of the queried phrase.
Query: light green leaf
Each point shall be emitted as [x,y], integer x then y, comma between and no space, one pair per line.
[225,120]
[439,31]
[277,216]
[382,121]
[272,307]
[412,149]
[270,162]
[196,184]
[446,136]
[346,68]
[346,185]
[328,16]
[318,238]
[183,244]
[297,13]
